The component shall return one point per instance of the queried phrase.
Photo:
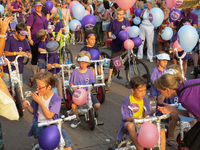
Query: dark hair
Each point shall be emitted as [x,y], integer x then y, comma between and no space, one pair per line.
[21,26]
[87,33]
[106,4]
[48,78]
[115,5]
[137,81]
[85,1]
[183,21]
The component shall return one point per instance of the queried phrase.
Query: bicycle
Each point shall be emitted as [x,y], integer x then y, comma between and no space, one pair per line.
[17,95]
[133,67]
[59,123]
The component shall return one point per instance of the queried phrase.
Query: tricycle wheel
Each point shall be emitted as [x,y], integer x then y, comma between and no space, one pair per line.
[180,142]
[69,98]
[18,101]
[101,94]
[111,148]
[91,119]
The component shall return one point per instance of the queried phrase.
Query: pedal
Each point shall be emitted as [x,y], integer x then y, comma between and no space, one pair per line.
[100,123]
[82,114]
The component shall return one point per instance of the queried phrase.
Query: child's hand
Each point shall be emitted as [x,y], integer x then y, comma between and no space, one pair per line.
[26,104]
[36,97]
[22,53]
[4,25]
[57,65]
[63,29]
[167,109]
[52,39]
[29,55]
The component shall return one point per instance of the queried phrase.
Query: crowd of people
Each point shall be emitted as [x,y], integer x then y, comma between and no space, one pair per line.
[25,32]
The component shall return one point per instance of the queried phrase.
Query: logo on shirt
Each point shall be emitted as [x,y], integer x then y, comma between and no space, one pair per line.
[87,80]
[175,99]
[20,49]
[135,107]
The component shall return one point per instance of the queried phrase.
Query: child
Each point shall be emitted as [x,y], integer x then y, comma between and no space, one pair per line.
[12,23]
[53,64]
[55,20]
[115,27]
[135,106]
[16,45]
[45,106]
[83,76]
[42,35]
[58,6]
[65,16]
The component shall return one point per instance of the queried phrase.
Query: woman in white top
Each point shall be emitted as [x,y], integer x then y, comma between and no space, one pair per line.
[65,16]
[146,32]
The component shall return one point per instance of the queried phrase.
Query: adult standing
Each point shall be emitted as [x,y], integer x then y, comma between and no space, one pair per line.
[146,32]
[17,8]
[33,26]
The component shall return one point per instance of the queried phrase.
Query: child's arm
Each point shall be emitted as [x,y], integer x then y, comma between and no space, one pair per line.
[28,54]
[129,119]
[49,66]
[30,109]
[73,89]
[7,53]
[42,50]
[105,16]
[60,34]
[160,99]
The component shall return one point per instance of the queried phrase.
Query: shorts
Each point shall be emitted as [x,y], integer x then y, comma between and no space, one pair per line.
[37,130]
[34,51]
[58,76]
[94,100]
[137,126]
[98,30]
[41,64]
[6,79]
[113,55]
[196,48]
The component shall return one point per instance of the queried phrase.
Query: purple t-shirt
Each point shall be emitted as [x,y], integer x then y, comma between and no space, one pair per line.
[43,46]
[17,6]
[36,26]
[13,45]
[54,58]
[126,112]
[86,48]
[115,28]
[86,78]
[54,106]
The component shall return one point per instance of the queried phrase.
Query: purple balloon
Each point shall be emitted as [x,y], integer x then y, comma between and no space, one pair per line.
[49,138]
[48,5]
[137,41]
[123,35]
[32,10]
[174,15]
[89,21]
[138,12]
[94,54]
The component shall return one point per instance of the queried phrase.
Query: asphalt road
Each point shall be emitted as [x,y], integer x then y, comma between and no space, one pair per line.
[15,133]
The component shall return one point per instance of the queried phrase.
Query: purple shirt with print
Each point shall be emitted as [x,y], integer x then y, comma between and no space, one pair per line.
[115,28]
[86,78]
[13,45]
[54,106]
[17,6]
[36,26]
[54,58]
[43,46]
[126,112]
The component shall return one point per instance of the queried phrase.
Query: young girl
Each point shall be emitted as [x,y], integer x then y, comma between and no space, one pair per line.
[12,24]
[8,5]
[45,106]
[58,6]
[65,16]
[83,76]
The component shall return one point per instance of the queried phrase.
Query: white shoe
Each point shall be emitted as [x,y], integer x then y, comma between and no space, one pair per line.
[150,60]
[192,72]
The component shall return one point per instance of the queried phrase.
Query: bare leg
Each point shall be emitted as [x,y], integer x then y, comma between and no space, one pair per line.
[34,69]
[60,92]
[159,47]
[96,107]
[163,139]
[38,73]
[75,110]
[196,56]
[110,73]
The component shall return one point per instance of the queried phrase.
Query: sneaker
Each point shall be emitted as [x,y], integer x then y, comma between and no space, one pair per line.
[75,123]
[151,60]
[109,82]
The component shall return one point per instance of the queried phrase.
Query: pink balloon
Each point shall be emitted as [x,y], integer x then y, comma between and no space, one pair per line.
[127,29]
[177,46]
[128,44]
[125,4]
[148,135]
[53,10]
[87,12]
[72,4]
[169,4]
[177,3]
[79,97]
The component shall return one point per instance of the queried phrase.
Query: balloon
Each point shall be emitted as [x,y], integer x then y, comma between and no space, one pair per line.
[94,54]
[169,4]
[187,37]
[138,12]
[183,118]
[123,35]
[134,31]
[177,46]
[89,21]
[72,4]
[137,41]
[49,138]
[128,44]
[136,20]
[86,13]
[78,11]
[174,15]
[177,3]
[79,97]
[109,41]
[127,29]
[75,25]
[1,9]
[48,5]
[148,135]
[125,4]
[167,33]
[54,10]
[156,16]
[32,9]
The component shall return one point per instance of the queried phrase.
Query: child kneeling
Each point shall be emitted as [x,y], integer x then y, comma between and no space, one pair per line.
[45,106]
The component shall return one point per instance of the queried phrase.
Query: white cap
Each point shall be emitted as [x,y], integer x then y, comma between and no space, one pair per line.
[84,58]
[163,56]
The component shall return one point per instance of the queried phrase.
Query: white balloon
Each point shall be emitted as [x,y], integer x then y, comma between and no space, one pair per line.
[156,16]
[75,25]
[134,31]
[136,20]
[167,33]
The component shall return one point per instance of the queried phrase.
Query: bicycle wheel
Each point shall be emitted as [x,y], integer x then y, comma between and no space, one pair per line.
[101,94]
[69,98]
[91,119]
[137,67]
[67,56]
[26,60]
[18,101]
[105,68]
[181,144]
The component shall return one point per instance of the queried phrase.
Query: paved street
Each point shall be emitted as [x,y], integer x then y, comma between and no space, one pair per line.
[15,133]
